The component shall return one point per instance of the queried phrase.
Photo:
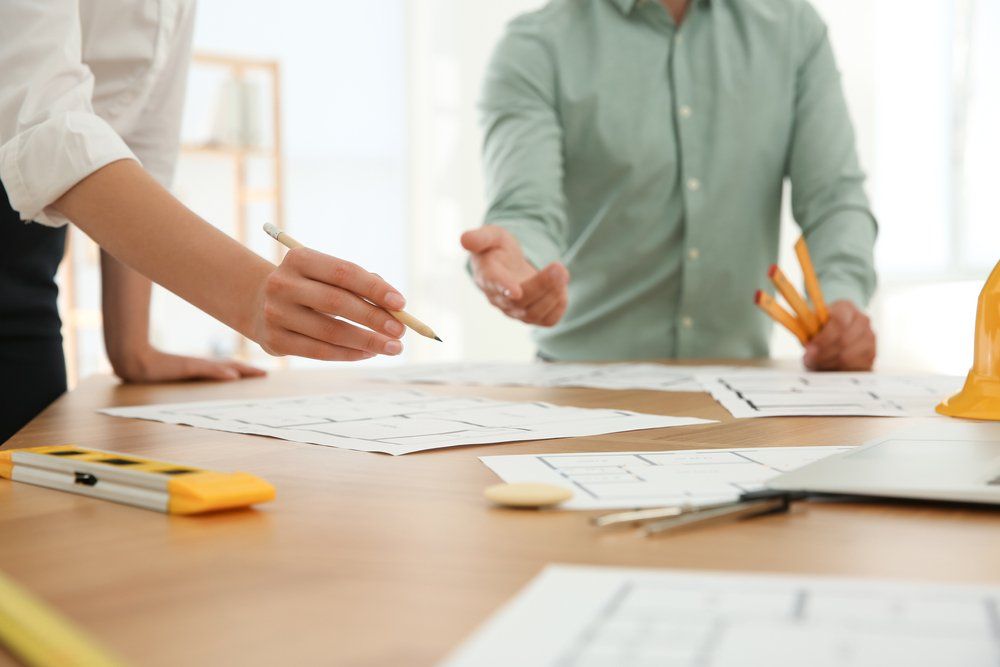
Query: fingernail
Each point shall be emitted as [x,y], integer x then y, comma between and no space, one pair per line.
[394,328]
[392,347]
[395,300]
[506,293]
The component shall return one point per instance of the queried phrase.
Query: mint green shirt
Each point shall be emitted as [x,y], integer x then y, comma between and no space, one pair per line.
[650,159]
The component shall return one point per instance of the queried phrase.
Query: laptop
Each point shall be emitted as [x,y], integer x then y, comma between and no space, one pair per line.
[943,459]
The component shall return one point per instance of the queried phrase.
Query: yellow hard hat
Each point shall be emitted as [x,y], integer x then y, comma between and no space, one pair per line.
[980,397]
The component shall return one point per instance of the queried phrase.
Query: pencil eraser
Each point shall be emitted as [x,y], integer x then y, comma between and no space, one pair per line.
[772,270]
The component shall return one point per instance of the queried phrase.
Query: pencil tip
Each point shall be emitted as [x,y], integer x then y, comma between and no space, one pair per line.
[438,339]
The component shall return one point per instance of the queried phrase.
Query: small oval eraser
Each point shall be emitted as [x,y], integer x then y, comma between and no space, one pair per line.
[527,494]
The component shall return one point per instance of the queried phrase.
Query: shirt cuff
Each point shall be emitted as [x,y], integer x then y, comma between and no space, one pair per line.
[41,163]
[841,290]
[539,247]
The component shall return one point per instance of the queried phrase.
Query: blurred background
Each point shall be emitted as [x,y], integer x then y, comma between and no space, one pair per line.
[355,126]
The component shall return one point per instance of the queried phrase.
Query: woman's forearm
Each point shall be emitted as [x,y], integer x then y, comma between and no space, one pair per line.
[125,298]
[137,221]
[302,307]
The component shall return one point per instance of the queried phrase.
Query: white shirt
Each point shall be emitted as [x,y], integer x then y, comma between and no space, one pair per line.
[84,83]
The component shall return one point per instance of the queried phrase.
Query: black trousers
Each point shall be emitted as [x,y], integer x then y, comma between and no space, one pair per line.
[32,367]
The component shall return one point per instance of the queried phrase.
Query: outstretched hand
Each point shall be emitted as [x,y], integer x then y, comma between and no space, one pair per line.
[511,282]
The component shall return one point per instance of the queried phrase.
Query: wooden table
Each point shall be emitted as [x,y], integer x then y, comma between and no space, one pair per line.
[366,559]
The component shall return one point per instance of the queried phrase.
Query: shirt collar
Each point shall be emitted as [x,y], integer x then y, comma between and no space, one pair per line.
[626,6]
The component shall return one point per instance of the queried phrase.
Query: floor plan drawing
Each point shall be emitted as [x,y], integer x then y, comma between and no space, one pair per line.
[773,394]
[400,421]
[578,616]
[636,480]
[653,377]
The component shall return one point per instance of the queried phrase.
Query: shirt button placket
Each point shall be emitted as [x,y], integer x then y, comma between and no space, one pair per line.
[692,184]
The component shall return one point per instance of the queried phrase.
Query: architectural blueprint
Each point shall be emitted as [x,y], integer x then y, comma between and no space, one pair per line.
[775,394]
[655,377]
[575,616]
[635,480]
[399,421]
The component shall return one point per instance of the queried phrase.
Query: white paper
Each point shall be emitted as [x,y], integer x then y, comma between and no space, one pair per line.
[653,377]
[635,480]
[774,394]
[573,616]
[399,422]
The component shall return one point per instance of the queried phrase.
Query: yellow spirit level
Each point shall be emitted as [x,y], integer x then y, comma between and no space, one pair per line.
[155,485]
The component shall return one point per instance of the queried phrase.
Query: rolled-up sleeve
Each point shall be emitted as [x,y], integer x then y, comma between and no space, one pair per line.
[522,148]
[50,138]
[828,198]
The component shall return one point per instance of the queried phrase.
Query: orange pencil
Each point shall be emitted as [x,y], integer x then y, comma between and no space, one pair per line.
[812,283]
[805,315]
[767,303]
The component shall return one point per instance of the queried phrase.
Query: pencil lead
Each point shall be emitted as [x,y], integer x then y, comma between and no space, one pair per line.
[438,339]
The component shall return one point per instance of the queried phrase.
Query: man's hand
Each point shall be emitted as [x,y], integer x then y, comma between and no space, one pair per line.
[511,282]
[846,343]
[151,365]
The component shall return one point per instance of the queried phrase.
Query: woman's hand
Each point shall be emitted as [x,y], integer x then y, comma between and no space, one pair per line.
[306,305]
[152,365]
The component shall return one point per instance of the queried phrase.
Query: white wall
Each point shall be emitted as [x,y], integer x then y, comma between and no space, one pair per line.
[344,132]
[450,43]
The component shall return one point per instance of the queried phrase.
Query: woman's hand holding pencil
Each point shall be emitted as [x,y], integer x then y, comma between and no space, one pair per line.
[838,337]
[310,300]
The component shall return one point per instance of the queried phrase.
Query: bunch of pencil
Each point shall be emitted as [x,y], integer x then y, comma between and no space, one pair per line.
[804,322]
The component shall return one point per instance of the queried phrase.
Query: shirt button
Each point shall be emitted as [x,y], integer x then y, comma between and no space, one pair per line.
[694,254]
[687,322]
[684,111]
[694,184]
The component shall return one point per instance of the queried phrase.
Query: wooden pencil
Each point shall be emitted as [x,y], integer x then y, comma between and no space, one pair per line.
[807,318]
[813,289]
[767,303]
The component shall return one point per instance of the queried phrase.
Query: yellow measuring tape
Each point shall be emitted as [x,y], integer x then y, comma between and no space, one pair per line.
[41,637]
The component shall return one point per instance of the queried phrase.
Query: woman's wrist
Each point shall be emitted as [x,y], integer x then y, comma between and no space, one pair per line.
[131,361]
